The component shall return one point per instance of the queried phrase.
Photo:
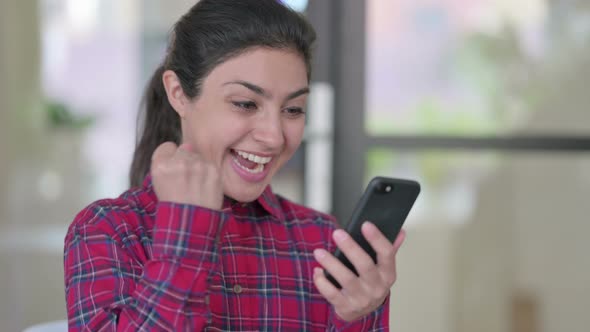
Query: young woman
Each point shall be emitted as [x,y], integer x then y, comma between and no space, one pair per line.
[201,241]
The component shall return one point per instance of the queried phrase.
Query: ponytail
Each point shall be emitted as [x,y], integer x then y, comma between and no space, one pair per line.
[157,123]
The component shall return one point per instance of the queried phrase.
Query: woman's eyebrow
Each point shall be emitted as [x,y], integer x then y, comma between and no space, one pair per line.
[298,93]
[260,91]
[253,87]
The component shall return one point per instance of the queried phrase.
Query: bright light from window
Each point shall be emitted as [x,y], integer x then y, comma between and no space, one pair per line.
[298,5]
[82,15]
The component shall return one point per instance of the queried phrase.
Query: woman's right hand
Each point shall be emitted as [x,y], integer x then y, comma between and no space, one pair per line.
[180,175]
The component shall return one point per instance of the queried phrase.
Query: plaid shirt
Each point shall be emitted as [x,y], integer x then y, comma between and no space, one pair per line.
[134,263]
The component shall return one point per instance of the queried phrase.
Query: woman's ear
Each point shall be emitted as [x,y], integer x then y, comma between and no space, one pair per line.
[174,92]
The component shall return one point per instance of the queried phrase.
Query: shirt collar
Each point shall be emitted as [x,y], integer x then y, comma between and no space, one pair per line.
[268,200]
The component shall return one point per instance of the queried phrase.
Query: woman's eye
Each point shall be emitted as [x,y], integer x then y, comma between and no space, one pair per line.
[245,105]
[294,111]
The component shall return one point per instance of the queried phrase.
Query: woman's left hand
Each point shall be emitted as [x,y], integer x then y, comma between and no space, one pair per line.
[362,294]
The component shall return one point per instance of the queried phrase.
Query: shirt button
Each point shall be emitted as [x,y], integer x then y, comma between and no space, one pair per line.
[206,299]
[237,289]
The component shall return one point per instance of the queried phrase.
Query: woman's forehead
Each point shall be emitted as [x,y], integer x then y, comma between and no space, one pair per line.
[270,69]
[263,62]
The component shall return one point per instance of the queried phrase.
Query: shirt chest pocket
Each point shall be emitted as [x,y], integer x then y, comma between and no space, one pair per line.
[261,267]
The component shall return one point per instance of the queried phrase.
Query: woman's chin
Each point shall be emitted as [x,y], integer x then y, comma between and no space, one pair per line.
[239,189]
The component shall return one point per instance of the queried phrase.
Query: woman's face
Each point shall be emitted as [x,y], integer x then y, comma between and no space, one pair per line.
[249,118]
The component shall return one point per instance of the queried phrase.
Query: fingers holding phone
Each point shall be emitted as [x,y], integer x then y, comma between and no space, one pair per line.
[385,250]
[363,293]
[364,262]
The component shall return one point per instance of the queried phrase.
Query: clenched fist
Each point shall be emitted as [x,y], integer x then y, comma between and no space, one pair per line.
[180,175]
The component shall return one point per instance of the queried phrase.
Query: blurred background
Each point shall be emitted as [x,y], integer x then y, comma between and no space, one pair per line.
[485,102]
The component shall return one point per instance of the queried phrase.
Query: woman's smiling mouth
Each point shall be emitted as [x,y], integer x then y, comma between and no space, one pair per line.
[251,163]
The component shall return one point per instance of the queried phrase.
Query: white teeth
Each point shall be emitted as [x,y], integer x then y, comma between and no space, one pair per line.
[254,158]
[259,168]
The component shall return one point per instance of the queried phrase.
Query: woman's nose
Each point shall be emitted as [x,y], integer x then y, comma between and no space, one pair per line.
[269,131]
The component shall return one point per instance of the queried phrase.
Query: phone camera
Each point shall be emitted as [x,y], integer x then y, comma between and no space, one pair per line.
[384,188]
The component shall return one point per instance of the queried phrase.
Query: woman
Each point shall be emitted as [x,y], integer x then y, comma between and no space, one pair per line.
[201,241]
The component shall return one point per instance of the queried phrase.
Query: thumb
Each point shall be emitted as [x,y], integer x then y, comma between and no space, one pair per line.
[186,147]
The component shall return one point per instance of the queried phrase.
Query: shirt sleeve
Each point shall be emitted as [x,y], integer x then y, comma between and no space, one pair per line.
[378,320]
[106,288]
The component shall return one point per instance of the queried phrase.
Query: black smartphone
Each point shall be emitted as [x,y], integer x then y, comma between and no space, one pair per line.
[386,203]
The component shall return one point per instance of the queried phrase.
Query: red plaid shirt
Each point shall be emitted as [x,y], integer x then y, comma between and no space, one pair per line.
[247,267]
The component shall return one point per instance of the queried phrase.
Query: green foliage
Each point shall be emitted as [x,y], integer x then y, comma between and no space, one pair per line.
[60,117]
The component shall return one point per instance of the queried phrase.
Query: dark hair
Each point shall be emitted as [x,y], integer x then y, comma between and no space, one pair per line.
[210,33]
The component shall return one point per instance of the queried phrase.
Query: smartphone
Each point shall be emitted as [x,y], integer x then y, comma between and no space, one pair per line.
[386,203]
